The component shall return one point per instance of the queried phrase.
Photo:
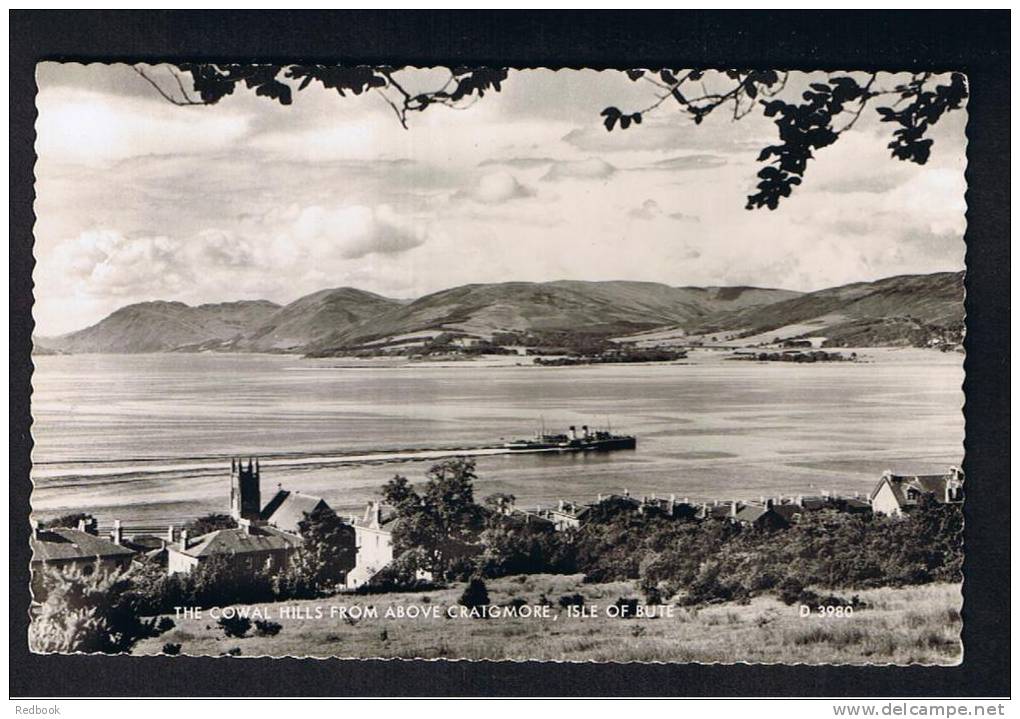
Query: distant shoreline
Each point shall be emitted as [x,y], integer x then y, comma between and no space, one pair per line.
[696,356]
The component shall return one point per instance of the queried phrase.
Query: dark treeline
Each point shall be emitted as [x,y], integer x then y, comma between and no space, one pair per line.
[443,532]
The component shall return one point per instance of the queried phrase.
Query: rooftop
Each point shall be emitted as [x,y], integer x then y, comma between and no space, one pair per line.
[241,540]
[62,543]
[286,510]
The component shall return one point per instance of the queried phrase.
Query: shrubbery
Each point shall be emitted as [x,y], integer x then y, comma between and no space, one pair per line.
[687,561]
[475,594]
[234,626]
[86,612]
[267,628]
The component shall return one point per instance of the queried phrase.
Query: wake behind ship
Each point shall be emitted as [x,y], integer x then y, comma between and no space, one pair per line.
[587,441]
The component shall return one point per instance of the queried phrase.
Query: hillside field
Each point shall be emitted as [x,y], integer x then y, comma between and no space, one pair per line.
[909,625]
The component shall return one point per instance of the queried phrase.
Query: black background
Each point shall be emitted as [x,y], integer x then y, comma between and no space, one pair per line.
[974,42]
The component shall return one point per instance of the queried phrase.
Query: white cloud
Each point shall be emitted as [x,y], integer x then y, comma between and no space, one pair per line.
[497,187]
[648,210]
[77,126]
[356,231]
[591,169]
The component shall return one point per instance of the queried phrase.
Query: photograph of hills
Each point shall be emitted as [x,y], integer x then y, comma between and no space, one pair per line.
[896,311]
[649,365]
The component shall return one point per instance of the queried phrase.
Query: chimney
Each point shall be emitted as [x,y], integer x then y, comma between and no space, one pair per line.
[117,535]
[247,525]
[626,492]
[584,428]
[733,508]
[36,529]
[170,534]
[561,505]
[572,432]
[768,503]
[800,499]
[600,497]
[672,503]
[184,539]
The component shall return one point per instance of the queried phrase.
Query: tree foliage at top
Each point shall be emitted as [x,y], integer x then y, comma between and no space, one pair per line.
[816,119]
[212,82]
[823,112]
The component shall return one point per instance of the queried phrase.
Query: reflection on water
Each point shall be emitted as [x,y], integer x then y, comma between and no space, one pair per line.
[148,438]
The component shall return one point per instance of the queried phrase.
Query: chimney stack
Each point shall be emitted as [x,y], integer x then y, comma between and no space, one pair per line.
[733,508]
[117,535]
[184,539]
[170,534]
[36,529]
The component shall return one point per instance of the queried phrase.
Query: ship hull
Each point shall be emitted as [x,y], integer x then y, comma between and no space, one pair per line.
[605,445]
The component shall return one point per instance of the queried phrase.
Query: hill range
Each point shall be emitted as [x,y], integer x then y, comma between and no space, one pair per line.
[903,310]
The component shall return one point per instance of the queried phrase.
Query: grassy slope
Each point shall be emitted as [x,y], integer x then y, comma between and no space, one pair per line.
[935,299]
[901,626]
[600,307]
[163,326]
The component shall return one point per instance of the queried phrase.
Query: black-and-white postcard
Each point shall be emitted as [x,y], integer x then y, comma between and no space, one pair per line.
[657,364]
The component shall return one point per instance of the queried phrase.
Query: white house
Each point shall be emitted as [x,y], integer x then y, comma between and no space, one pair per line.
[896,494]
[373,537]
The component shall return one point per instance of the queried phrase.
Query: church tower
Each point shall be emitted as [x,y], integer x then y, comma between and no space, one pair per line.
[245,495]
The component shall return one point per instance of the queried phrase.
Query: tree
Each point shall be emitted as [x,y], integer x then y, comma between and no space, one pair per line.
[210,523]
[822,113]
[68,521]
[442,520]
[500,502]
[815,119]
[475,594]
[86,612]
[327,554]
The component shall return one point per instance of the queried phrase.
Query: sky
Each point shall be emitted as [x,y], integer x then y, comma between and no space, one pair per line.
[138,199]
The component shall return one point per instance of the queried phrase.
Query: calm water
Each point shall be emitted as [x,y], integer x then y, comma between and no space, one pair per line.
[147,439]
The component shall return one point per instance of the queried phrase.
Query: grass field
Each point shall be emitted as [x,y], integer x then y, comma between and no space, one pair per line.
[898,626]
